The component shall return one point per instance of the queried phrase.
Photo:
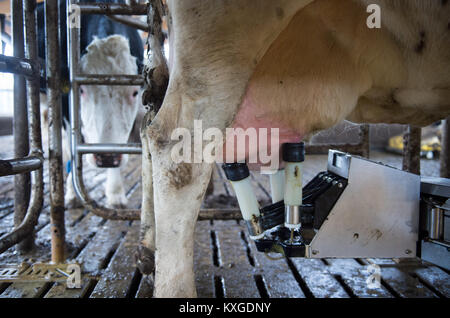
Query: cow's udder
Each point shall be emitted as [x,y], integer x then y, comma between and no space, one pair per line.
[250,116]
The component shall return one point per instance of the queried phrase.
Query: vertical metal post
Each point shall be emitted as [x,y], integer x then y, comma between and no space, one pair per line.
[34,113]
[445,149]
[364,135]
[411,149]
[22,185]
[436,223]
[73,51]
[54,131]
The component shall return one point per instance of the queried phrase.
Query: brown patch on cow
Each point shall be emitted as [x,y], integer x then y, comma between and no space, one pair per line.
[279,12]
[157,134]
[181,176]
[421,45]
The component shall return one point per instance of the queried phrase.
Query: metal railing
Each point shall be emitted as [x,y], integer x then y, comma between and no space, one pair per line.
[26,217]
[26,128]
[54,131]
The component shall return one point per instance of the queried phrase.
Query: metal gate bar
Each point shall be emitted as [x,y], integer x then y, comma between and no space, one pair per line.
[26,227]
[411,149]
[54,131]
[134,149]
[89,79]
[17,65]
[19,165]
[22,182]
[130,22]
[112,8]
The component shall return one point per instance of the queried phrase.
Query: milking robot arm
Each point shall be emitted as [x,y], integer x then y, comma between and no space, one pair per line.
[357,208]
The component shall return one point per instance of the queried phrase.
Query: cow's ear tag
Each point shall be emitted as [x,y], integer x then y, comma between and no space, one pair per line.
[69,166]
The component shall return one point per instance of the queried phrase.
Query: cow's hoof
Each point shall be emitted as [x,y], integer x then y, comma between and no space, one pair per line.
[145,260]
[117,204]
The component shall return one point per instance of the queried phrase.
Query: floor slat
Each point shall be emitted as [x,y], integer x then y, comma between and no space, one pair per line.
[354,275]
[203,260]
[280,281]
[436,278]
[319,280]
[116,279]
[233,255]
[93,257]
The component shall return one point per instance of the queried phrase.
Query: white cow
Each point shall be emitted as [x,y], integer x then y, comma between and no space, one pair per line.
[299,65]
[108,112]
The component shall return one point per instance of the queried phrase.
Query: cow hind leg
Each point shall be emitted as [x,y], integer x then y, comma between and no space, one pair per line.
[178,192]
[145,255]
[178,197]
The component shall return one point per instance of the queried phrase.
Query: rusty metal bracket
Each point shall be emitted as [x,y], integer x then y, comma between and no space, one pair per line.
[34,273]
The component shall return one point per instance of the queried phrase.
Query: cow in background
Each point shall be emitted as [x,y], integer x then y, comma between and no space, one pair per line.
[107,112]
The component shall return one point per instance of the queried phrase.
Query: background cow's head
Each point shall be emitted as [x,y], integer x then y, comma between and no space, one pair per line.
[108,112]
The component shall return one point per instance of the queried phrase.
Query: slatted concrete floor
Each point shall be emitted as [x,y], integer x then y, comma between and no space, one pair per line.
[226,261]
